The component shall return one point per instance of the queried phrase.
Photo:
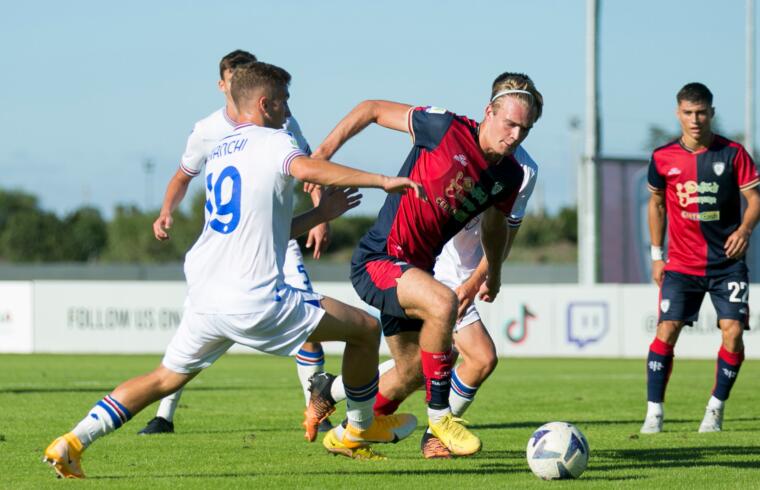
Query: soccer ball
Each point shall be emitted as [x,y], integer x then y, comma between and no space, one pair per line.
[557,451]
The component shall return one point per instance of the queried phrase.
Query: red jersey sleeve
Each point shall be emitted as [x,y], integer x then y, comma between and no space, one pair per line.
[745,170]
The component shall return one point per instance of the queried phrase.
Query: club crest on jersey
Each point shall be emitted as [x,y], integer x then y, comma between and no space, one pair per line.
[719,167]
[497,187]
[665,305]
[461,159]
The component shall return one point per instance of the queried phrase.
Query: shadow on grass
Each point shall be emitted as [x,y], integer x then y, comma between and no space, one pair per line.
[741,457]
[361,470]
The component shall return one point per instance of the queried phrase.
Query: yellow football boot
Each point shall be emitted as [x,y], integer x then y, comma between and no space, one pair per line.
[335,446]
[64,454]
[455,436]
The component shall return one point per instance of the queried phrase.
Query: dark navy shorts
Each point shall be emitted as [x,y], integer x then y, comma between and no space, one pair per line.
[374,276]
[681,296]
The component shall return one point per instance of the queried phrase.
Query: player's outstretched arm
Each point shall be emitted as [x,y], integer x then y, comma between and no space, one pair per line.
[392,115]
[175,192]
[319,236]
[494,240]
[327,173]
[656,213]
[474,285]
[738,241]
[333,203]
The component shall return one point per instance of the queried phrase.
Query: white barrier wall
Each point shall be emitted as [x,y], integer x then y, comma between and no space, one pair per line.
[16,317]
[107,316]
[525,321]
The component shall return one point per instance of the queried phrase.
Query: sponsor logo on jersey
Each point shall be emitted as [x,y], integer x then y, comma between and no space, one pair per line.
[719,167]
[690,192]
[665,305]
[674,171]
[703,216]
[729,374]
[461,159]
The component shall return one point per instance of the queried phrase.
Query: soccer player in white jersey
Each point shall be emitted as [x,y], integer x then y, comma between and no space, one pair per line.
[462,267]
[205,134]
[236,288]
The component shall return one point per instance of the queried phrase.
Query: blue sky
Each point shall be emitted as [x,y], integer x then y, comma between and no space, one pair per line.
[89,90]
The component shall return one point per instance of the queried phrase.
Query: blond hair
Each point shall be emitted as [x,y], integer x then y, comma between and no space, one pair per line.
[524,90]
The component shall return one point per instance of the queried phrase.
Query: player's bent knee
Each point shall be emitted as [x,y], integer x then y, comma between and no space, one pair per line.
[443,306]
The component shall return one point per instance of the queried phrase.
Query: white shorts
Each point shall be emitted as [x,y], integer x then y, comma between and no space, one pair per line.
[471,316]
[452,280]
[293,268]
[281,330]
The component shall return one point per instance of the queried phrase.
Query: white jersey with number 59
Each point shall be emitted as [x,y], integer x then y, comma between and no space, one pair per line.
[235,266]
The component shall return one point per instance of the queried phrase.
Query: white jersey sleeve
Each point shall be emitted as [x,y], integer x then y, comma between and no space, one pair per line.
[195,153]
[205,135]
[530,174]
[284,148]
[291,126]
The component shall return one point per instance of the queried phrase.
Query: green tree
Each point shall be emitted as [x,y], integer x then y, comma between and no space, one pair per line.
[85,236]
[12,202]
[32,236]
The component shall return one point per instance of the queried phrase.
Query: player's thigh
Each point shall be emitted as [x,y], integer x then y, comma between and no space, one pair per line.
[198,342]
[474,343]
[729,294]
[423,297]
[681,296]
[342,322]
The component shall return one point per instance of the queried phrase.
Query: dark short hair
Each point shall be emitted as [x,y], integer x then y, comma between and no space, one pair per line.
[252,76]
[695,92]
[232,60]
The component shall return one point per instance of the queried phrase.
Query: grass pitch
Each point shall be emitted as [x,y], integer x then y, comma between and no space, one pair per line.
[238,427]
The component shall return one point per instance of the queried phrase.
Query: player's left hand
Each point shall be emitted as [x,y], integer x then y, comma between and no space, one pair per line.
[737,243]
[335,202]
[466,294]
[400,184]
[490,289]
[319,238]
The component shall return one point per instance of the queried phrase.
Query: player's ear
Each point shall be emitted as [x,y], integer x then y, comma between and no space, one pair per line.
[263,104]
[712,112]
[220,84]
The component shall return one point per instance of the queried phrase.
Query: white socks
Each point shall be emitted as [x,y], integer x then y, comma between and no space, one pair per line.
[105,417]
[168,405]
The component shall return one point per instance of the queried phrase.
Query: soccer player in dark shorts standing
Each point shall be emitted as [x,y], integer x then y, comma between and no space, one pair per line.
[465,168]
[696,181]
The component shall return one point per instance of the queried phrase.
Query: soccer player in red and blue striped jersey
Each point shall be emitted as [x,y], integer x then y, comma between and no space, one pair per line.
[466,169]
[696,182]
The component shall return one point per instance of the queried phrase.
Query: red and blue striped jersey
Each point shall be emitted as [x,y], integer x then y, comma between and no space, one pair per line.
[702,201]
[460,184]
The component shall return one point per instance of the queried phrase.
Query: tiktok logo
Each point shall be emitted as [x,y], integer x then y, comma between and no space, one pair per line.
[517,330]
